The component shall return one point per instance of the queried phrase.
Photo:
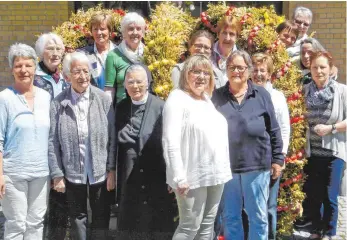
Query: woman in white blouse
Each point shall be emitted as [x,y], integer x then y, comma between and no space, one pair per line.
[196,150]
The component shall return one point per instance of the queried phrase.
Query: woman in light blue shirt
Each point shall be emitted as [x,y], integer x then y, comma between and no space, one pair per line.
[24,130]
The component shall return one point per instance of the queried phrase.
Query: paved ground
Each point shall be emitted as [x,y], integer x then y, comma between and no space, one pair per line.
[303,235]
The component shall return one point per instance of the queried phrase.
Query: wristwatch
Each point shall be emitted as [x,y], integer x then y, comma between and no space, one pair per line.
[333,130]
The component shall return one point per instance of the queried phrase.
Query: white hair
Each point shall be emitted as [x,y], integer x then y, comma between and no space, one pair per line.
[42,41]
[20,50]
[136,68]
[132,17]
[302,11]
[73,57]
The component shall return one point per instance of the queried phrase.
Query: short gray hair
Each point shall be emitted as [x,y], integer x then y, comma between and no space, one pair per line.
[132,17]
[136,68]
[316,46]
[21,50]
[304,12]
[42,41]
[72,57]
[245,57]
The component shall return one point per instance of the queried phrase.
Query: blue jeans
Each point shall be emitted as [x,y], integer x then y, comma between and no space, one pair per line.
[249,191]
[272,207]
[324,180]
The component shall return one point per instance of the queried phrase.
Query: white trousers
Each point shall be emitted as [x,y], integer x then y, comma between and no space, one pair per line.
[197,212]
[24,206]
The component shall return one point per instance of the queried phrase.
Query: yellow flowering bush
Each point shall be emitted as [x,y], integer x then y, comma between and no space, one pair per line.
[166,39]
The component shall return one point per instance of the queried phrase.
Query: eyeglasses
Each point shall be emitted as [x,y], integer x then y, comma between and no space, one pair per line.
[53,49]
[202,46]
[240,69]
[198,73]
[301,22]
[77,73]
[139,83]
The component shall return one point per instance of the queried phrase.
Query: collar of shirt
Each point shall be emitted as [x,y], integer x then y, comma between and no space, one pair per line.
[40,72]
[216,51]
[299,40]
[251,91]
[112,46]
[78,96]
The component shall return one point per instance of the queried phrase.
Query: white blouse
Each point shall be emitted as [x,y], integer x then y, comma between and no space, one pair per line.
[195,142]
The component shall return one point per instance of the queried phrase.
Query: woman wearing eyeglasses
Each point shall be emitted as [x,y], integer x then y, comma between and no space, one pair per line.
[255,147]
[200,43]
[302,18]
[196,151]
[146,207]
[81,149]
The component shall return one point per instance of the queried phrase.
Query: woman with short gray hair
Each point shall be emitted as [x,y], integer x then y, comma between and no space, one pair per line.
[255,146]
[24,129]
[129,51]
[82,148]
[302,18]
[50,50]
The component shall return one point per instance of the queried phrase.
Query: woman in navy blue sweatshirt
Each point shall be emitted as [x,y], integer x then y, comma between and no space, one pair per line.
[255,146]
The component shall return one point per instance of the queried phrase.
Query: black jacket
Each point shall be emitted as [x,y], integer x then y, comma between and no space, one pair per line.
[144,202]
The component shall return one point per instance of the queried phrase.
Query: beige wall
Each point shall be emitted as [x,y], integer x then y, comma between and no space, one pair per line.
[22,22]
[329,22]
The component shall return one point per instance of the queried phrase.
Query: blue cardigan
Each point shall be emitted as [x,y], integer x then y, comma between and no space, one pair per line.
[254,135]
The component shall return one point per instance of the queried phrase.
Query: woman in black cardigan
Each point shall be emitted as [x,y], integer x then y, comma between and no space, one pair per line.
[146,208]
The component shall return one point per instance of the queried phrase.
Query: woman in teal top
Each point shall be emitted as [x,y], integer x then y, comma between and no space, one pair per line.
[129,51]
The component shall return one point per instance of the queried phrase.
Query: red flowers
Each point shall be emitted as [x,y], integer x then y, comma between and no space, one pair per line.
[77,27]
[230,10]
[294,96]
[119,11]
[297,119]
[296,156]
[292,180]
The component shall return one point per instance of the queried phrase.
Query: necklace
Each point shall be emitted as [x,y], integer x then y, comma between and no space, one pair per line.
[239,95]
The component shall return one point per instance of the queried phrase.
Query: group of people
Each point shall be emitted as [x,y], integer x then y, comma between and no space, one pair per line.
[216,146]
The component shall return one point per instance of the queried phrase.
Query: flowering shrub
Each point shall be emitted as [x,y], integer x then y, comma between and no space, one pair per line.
[166,39]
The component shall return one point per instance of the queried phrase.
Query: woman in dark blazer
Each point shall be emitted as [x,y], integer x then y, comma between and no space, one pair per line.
[145,207]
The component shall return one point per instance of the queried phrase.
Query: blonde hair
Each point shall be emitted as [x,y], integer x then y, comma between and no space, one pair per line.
[260,58]
[98,17]
[190,64]
[229,21]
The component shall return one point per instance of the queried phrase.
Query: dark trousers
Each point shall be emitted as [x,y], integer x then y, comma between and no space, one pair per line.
[56,219]
[99,199]
[323,186]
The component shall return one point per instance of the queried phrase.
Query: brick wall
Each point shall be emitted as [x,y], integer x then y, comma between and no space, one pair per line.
[329,22]
[22,22]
